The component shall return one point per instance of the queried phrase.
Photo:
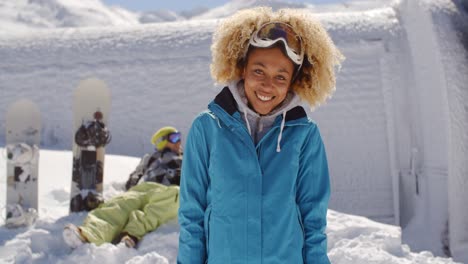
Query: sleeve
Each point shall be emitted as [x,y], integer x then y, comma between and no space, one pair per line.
[155,171]
[313,193]
[193,201]
[135,176]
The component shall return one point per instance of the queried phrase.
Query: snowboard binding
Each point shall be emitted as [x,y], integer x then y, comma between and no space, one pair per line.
[22,156]
[91,201]
[93,133]
[18,217]
[21,153]
[87,174]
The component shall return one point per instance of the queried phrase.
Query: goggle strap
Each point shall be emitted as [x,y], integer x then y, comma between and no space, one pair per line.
[256,41]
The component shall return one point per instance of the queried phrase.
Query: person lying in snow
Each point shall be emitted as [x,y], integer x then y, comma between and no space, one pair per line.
[147,204]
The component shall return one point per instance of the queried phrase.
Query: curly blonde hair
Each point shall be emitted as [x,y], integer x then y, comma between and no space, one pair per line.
[315,81]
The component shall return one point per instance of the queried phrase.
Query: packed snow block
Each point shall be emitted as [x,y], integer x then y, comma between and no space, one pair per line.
[430,103]
[439,56]
[451,25]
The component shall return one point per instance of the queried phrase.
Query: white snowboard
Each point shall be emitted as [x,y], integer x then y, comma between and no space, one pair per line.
[91,96]
[23,134]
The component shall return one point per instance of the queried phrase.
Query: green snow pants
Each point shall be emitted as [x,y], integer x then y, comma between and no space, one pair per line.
[138,211]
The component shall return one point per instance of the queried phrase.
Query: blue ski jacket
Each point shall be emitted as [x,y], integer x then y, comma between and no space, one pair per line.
[247,203]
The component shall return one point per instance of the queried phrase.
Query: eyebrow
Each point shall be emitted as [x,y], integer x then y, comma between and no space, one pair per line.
[263,65]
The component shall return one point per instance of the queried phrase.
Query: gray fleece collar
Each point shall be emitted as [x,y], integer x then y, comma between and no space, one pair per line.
[261,124]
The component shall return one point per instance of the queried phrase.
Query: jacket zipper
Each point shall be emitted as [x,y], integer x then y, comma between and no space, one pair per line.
[299,218]
[207,231]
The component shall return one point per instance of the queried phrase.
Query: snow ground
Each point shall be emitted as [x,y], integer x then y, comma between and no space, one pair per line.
[351,239]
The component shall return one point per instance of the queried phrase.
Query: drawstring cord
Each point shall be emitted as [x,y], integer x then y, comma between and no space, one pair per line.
[283,121]
[247,121]
[215,118]
[278,147]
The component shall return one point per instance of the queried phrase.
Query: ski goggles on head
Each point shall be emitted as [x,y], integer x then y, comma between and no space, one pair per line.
[174,137]
[272,32]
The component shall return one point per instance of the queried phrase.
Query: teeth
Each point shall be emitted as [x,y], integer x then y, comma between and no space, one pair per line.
[264,98]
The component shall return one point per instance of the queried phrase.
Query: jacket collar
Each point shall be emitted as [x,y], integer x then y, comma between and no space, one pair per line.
[226,101]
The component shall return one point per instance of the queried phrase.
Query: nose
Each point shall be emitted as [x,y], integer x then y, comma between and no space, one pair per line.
[179,147]
[267,82]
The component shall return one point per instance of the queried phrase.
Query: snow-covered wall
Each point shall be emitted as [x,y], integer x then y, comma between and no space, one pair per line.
[451,28]
[395,130]
[430,106]
[437,39]
[158,75]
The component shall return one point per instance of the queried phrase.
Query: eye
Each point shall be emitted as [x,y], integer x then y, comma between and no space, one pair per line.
[258,71]
[281,78]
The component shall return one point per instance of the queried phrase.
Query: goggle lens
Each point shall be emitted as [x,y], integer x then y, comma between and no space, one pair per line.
[275,31]
[174,137]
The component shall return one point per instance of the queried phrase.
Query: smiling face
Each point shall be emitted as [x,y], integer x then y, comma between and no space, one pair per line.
[267,77]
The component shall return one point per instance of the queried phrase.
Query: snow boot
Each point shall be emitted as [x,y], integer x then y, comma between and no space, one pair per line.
[129,240]
[73,237]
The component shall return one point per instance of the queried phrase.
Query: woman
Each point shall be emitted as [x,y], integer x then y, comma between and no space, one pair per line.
[255,184]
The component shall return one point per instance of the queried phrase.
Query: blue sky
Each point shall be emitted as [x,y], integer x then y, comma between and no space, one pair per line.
[180,5]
